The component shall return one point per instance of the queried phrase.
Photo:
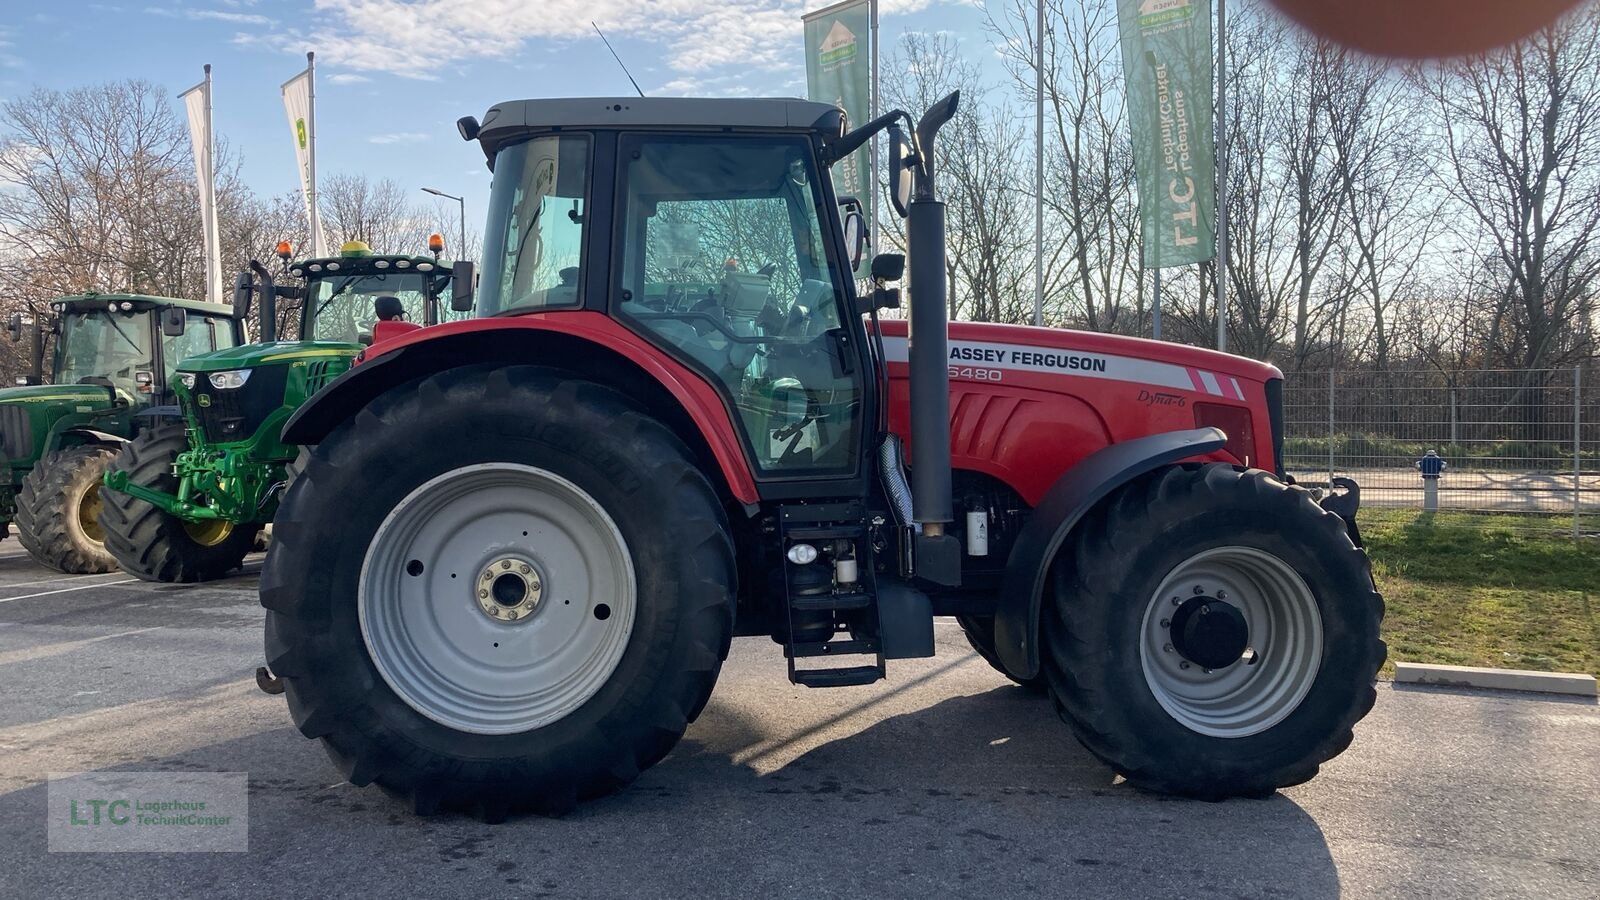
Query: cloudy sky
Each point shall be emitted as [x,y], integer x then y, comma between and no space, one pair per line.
[394,75]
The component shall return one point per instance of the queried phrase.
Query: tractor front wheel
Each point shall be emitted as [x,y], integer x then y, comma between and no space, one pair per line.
[58,511]
[1214,633]
[516,622]
[153,544]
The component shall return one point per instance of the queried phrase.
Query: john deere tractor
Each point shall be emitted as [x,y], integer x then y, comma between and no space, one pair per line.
[188,498]
[112,355]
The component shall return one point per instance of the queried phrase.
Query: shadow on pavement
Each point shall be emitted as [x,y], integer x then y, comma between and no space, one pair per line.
[976,794]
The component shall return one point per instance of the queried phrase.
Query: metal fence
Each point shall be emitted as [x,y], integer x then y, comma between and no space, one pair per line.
[1523,442]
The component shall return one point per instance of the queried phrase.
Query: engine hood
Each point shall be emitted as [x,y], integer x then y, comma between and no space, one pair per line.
[55,393]
[247,356]
[1004,341]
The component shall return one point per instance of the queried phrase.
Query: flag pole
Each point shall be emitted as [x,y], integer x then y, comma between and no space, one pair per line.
[1221,131]
[1038,169]
[872,164]
[317,248]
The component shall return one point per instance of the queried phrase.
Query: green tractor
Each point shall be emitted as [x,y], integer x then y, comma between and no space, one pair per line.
[187,499]
[108,373]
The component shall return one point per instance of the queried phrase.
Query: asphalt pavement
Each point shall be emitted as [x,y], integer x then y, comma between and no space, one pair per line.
[943,781]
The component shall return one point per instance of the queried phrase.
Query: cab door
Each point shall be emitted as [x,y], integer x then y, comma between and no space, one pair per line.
[729,261]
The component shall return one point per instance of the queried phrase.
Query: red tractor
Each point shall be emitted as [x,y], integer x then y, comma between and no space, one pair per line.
[511,568]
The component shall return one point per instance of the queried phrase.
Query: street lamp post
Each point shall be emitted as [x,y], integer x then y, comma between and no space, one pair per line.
[461,248]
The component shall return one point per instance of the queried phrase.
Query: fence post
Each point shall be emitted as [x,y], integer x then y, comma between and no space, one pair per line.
[1454,441]
[1330,428]
[1577,449]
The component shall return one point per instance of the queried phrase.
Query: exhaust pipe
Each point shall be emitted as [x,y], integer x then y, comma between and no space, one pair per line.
[269,302]
[929,350]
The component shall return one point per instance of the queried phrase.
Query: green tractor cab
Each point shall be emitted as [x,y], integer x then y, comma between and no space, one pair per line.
[108,377]
[187,500]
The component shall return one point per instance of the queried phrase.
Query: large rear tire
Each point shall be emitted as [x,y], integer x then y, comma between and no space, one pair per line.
[154,545]
[1213,633]
[58,511]
[515,622]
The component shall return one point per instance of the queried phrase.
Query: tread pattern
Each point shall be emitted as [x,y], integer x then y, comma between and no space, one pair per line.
[1100,691]
[148,542]
[47,510]
[980,634]
[684,558]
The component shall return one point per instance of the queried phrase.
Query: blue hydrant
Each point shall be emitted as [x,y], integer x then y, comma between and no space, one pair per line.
[1431,467]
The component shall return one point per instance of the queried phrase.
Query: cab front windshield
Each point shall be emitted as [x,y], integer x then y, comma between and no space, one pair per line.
[97,347]
[342,307]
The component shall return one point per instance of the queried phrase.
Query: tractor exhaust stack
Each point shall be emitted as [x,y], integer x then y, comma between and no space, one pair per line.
[929,351]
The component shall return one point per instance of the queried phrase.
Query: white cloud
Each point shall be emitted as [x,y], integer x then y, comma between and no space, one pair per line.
[697,36]
[398,137]
[348,78]
[211,15]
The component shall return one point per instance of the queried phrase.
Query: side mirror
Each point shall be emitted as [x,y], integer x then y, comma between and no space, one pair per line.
[855,234]
[14,326]
[463,282]
[243,286]
[173,321]
[902,160]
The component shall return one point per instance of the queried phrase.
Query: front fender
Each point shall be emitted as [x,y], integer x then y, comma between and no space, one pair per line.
[1016,619]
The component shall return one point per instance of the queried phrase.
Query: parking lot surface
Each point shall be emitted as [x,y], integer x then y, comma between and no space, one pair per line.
[945,780]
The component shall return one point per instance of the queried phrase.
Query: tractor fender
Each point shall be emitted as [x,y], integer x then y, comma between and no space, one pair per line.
[586,342]
[1016,619]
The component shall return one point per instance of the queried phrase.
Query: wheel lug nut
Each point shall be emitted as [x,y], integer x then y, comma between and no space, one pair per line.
[483,595]
[1167,648]
[524,569]
[1176,601]
[1222,595]
[1166,623]
[506,564]
[1199,590]
[1183,665]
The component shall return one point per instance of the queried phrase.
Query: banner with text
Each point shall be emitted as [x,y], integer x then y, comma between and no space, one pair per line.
[839,71]
[297,99]
[1166,60]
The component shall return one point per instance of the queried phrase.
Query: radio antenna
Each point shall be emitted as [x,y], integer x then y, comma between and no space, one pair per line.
[614,56]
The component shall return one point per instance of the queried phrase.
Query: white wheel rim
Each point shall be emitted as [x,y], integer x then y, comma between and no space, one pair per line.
[1284,648]
[464,661]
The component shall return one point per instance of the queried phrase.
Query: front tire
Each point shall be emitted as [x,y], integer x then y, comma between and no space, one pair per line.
[1214,633]
[154,545]
[397,642]
[58,511]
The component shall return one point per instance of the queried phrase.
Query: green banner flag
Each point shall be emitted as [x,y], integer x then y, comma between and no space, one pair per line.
[1166,60]
[839,71]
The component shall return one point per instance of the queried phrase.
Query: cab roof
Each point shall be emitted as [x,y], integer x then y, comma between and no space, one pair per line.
[512,120]
[91,297]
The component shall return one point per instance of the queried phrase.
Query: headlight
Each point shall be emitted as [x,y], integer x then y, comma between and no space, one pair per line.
[227,381]
[186,379]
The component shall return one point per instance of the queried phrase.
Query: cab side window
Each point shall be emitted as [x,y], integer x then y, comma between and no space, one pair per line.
[725,262]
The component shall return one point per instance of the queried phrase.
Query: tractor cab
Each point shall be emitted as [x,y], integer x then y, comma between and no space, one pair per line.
[342,298]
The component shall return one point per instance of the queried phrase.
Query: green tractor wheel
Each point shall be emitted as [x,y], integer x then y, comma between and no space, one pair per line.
[156,545]
[58,511]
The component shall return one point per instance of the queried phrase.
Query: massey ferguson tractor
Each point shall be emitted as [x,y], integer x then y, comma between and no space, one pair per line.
[112,354]
[511,568]
[185,500]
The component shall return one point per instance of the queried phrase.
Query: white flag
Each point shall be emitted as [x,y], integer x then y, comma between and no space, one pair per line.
[197,103]
[299,102]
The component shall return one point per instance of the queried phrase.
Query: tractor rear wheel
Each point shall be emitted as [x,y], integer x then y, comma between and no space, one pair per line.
[1214,633]
[58,511]
[153,544]
[512,623]
[980,634]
